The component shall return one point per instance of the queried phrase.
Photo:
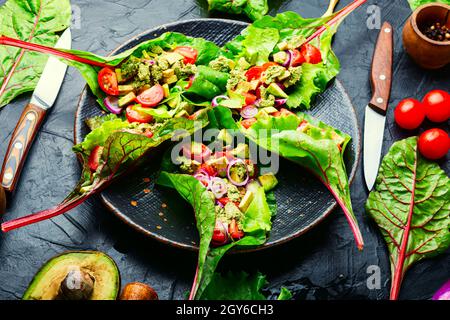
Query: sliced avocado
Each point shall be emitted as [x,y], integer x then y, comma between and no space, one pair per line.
[182,114]
[225,136]
[231,104]
[166,89]
[275,89]
[171,79]
[268,181]
[283,45]
[241,151]
[219,163]
[127,99]
[55,280]
[280,57]
[119,76]
[246,200]
[145,54]
[173,57]
[125,88]
[173,103]
[243,63]
[168,73]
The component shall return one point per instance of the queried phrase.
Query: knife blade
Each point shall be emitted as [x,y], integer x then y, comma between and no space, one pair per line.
[33,115]
[375,112]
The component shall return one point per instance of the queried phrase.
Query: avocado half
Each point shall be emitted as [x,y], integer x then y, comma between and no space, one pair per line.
[100,267]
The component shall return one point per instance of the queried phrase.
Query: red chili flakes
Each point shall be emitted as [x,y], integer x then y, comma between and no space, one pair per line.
[146,180]
[134,203]
[147,190]
[158,227]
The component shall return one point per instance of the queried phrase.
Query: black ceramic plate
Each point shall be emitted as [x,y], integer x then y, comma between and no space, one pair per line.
[302,200]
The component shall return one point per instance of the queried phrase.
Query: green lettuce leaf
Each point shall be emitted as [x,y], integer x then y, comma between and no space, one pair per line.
[207,51]
[254,9]
[260,39]
[414,4]
[315,149]
[411,205]
[35,21]
[256,224]
[208,82]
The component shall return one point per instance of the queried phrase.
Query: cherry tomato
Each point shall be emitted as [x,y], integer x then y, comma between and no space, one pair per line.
[247,123]
[249,98]
[437,105]
[409,114]
[190,54]
[107,80]
[148,133]
[193,154]
[94,158]
[136,116]
[254,73]
[151,97]
[434,143]
[223,201]
[310,53]
[233,230]
[208,169]
[297,58]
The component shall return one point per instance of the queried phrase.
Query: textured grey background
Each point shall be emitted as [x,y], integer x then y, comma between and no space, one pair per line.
[323,264]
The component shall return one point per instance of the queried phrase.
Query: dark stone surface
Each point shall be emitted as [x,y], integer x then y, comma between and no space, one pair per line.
[323,264]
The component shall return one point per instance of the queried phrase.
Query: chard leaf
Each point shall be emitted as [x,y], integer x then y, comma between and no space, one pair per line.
[255,227]
[35,21]
[414,4]
[123,149]
[254,9]
[411,206]
[235,286]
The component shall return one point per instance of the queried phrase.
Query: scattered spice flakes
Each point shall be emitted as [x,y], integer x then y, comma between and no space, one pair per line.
[147,190]
[193,242]
[165,219]
[158,227]
[146,180]
[161,214]
[164,205]
[134,203]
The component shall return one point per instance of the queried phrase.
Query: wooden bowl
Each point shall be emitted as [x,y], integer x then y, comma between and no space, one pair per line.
[427,53]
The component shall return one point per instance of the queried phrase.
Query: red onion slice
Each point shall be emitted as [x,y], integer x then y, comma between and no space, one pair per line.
[443,293]
[287,62]
[215,102]
[218,187]
[248,112]
[112,104]
[280,102]
[230,165]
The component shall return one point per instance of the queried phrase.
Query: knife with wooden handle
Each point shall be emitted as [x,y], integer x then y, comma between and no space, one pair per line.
[375,116]
[33,115]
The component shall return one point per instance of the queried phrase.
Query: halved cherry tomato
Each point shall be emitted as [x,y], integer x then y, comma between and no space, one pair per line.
[310,53]
[434,143]
[151,97]
[94,158]
[254,73]
[437,105]
[223,201]
[107,80]
[234,231]
[247,123]
[208,169]
[136,116]
[266,65]
[190,54]
[297,58]
[148,133]
[220,234]
[409,114]
[249,98]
